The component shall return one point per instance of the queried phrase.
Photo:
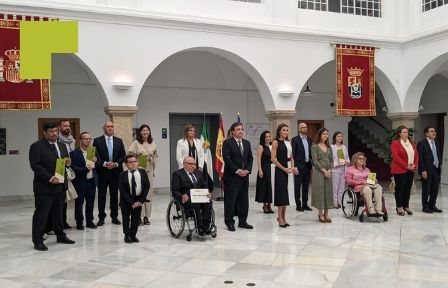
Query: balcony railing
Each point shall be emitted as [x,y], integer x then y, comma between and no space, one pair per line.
[370,8]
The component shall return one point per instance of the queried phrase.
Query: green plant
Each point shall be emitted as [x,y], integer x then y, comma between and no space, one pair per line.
[390,134]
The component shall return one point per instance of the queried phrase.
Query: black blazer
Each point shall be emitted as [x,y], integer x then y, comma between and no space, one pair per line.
[181,183]
[102,153]
[425,156]
[43,163]
[79,166]
[298,151]
[125,189]
[233,160]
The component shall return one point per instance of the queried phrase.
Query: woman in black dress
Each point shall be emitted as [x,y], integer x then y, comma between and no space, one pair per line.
[281,157]
[264,186]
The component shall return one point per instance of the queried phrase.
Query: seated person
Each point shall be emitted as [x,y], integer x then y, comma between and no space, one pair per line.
[188,178]
[356,177]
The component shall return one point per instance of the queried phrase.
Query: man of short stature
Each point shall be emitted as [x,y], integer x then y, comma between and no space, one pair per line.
[238,159]
[134,187]
[429,167]
[301,151]
[84,182]
[49,191]
[110,155]
[184,179]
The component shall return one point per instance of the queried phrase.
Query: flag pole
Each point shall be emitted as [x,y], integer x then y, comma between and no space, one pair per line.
[221,175]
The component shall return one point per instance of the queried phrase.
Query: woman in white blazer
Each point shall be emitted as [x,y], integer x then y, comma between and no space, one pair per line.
[190,146]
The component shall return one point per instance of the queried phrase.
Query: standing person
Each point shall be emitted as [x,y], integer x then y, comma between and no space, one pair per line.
[190,146]
[144,145]
[49,192]
[263,193]
[84,182]
[429,167]
[340,162]
[284,169]
[238,159]
[404,163]
[322,185]
[301,149]
[134,187]
[110,155]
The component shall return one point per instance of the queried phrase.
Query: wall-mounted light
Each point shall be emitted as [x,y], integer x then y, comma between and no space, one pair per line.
[286,94]
[307,89]
[122,85]
[420,108]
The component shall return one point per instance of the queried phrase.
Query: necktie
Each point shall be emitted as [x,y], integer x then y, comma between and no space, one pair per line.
[193,179]
[434,155]
[241,147]
[55,150]
[133,185]
[109,148]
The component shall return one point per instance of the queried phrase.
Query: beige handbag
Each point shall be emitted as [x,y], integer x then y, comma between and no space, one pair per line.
[71,192]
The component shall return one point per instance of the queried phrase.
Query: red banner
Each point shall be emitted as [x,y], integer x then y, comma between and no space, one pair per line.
[17,93]
[355,80]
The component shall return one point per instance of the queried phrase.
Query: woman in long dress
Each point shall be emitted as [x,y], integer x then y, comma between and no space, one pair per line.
[263,190]
[322,197]
[340,163]
[144,146]
[284,178]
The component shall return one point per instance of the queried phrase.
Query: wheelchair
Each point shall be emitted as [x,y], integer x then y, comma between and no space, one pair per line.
[177,216]
[352,201]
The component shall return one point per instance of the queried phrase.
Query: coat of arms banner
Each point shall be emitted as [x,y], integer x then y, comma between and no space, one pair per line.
[355,80]
[17,93]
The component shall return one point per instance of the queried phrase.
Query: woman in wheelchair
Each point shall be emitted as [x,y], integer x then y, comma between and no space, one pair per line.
[356,177]
[189,178]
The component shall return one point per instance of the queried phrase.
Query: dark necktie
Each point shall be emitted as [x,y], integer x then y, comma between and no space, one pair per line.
[55,150]
[193,179]
[133,185]
[241,147]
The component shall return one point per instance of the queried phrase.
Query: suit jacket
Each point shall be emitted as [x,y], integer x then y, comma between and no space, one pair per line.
[43,163]
[233,160]
[79,166]
[298,151]
[181,183]
[102,153]
[126,197]
[399,162]
[426,157]
[182,152]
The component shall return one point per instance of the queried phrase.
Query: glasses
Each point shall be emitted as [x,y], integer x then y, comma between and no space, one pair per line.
[189,163]
[135,161]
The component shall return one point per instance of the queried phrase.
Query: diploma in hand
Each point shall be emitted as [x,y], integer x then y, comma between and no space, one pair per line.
[142,161]
[341,157]
[91,151]
[59,173]
[371,179]
[199,196]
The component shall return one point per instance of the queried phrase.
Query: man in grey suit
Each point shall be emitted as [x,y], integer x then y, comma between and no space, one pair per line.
[49,191]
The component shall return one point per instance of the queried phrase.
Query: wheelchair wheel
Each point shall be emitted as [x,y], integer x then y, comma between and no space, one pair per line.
[175,219]
[349,202]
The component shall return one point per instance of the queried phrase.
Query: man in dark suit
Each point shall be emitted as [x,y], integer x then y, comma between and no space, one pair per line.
[110,155]
[84,182]
[49,191]
[301,151]
[134,187]
[237,155]
[188,178]
[429,168]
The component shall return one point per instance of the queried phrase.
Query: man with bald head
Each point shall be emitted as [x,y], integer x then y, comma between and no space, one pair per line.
[110,155]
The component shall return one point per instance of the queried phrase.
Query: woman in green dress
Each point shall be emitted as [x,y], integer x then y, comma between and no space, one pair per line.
[322,194]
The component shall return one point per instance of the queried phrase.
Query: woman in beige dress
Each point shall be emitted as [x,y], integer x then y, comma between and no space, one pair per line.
[144,145]
[322,155]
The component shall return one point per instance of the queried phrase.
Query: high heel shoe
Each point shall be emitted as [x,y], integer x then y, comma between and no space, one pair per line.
[270,211]
[282,225]
[265,209]
[322,220]
[328,220]
[408,211]
[287,224]
[400,213]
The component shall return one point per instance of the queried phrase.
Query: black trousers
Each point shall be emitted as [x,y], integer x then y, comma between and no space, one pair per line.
[236,201]
[203,213]
[131,219]
[86,192]
[107,179]
[44,203]
[403,185]
[302,181]
[430,187]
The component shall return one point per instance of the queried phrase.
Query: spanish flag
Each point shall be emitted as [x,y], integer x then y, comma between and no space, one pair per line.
[219,161]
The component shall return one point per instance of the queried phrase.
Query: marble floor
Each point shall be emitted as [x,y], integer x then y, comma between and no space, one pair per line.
[408,252]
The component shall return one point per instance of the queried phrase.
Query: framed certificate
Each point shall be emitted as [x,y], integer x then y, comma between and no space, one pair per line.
[199,196]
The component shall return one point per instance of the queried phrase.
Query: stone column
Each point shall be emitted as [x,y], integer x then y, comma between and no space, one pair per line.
[403,118]
[122,116]
[277,117]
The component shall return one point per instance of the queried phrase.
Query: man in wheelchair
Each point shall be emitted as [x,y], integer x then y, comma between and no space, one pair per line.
[356,177]
[188,178]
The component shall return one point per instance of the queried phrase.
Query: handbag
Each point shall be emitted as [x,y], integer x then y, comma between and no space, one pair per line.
[71,192]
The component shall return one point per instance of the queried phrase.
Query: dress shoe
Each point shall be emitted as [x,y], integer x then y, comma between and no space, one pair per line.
[116,221]
[437,210]
[427,210]
[282,225]
[307,208]
[322,219]
[379,212]
[135,239]
[128,239]
[300,209]
[65,240]
[146,221]
[66,226]
[245,225]
[100,222]
[79,227]
[201,232]
[231,228]
[408,211]
[40,246]
[91,225]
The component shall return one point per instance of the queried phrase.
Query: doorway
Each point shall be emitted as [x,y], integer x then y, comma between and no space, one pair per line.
[313,127]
